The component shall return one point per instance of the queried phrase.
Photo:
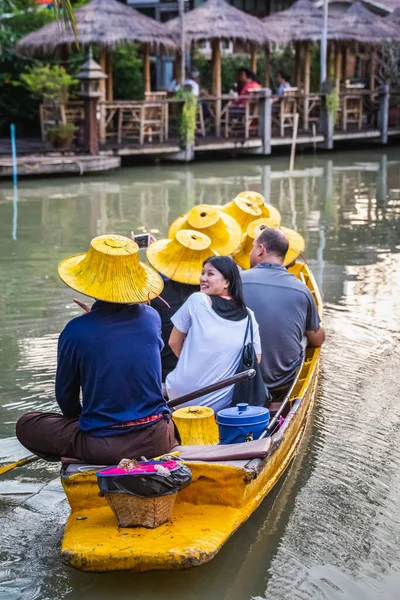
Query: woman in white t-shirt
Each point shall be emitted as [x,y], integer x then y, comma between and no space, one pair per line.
[208,334]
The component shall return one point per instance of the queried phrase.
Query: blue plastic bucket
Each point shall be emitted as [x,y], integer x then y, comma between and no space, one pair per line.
[241,423]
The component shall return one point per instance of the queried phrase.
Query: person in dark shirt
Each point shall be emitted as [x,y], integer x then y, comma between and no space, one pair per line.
[170,300]
[112,354]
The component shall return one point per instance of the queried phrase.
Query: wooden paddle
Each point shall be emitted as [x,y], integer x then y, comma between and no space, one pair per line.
[19,463]
[214,387]
[171,404]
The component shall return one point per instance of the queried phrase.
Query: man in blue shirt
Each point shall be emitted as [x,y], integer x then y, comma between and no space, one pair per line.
[284,309]
[112,354]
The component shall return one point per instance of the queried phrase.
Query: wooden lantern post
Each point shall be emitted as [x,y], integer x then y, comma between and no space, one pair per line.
[91,75]
[216,83]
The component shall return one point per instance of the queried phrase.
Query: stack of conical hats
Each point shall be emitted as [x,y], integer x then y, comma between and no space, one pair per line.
[217,230]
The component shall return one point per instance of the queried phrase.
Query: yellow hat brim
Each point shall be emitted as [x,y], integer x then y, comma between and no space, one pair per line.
[140,284]
[182,265]
[296,247]
[225,235]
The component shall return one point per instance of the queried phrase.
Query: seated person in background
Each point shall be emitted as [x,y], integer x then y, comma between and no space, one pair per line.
[208,334]
[284,308]
[246,80]
[192,81]
[112,353]
[283,83]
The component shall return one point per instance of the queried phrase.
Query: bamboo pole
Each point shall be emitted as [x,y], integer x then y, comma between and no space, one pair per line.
[216,83]
[109,73]
[267,66]
[253,59]
[338,65]
[294,140]
[372,70]
[297,64]
[307,77]
[146,68]
[103,65]
[178,68]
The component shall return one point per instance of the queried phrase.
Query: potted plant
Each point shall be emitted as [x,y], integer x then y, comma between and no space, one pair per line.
[50,83]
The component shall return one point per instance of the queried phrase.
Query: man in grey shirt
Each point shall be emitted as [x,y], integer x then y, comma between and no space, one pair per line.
[284,309]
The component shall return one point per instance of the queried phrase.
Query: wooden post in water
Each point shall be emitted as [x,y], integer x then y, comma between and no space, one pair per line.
[146,68]
[327,123]
[265,120]
[216,83]
[383,112]
[294,141]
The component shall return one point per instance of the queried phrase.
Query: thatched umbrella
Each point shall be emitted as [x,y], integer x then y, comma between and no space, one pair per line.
[107,23]
[217,20]
[363,26]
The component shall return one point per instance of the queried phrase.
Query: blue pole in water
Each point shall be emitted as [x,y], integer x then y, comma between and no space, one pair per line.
[15,181]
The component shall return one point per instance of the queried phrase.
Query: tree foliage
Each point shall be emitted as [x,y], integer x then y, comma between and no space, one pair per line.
[48,82]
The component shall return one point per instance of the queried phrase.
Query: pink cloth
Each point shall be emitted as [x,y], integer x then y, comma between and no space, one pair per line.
[142,468]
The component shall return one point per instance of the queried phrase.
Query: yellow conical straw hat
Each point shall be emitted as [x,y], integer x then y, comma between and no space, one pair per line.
[267,210]
[243,211]
[223,231]
[181,258]
[111,271]
[242,256]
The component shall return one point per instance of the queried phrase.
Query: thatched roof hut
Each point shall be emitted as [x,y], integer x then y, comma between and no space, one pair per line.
[104,22]
[394,17]
[217,20]
[107,23]
[361,25]
[302,22]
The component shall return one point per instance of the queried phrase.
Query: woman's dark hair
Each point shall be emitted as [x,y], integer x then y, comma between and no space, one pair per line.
[228,269]
[283,75]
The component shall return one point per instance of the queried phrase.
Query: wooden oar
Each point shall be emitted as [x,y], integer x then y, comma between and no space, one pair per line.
[214,387]
[171,404]
[19,463]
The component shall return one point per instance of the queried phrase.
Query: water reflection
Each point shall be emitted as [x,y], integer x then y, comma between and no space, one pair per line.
[331,527]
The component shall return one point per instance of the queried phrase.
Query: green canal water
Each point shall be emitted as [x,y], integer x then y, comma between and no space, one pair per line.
[331,528]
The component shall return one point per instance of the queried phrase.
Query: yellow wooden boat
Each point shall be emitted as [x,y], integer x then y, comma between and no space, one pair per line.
[223,494]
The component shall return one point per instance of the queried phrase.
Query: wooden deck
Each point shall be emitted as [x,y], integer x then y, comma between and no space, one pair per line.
[150,129]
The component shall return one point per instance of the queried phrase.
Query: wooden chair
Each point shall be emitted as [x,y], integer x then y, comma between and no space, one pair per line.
[287,110]
[130,123]
[245,122]
[50,115]
[74,113]
[352,111]
[160,98]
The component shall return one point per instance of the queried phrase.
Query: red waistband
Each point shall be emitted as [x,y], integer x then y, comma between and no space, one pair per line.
[141,421]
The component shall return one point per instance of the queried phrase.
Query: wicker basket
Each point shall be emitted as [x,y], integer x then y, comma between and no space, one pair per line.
[134,511]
